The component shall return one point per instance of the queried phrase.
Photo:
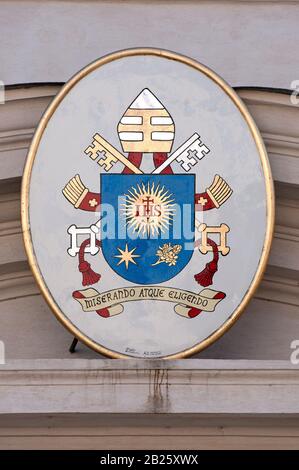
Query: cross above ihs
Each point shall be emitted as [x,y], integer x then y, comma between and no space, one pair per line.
[146,208]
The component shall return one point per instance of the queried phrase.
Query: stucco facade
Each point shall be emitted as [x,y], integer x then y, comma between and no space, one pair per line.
[241,391]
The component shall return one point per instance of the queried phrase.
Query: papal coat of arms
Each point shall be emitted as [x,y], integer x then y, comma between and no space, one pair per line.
[147,205]
[148,230]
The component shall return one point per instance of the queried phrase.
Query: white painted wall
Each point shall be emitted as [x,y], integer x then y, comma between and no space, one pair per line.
[248,43]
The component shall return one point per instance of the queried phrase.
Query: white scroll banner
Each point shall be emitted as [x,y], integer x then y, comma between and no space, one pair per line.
[91,300]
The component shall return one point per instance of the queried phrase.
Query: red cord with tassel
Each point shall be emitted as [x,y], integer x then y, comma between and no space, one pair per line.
[205,277]
[89,276]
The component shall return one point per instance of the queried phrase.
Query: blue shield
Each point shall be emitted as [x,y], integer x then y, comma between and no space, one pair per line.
[147,228]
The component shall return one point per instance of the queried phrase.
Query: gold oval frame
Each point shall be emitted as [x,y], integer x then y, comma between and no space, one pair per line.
[26,187]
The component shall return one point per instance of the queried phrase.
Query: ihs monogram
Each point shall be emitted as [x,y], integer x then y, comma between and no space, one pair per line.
[148,209]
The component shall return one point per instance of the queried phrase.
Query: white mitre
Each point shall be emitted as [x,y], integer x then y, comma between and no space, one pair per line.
[146,126]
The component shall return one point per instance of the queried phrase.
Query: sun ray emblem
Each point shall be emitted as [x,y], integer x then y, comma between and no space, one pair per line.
[149,209]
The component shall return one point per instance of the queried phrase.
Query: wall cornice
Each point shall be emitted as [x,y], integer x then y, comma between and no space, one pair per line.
[145,386]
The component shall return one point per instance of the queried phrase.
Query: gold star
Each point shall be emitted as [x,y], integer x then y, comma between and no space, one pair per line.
[126,256]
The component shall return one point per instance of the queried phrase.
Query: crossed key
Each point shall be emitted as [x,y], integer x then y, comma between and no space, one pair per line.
[187,155]
[107,155]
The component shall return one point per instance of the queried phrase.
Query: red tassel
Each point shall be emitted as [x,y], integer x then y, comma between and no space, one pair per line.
[205,277]
[89,276]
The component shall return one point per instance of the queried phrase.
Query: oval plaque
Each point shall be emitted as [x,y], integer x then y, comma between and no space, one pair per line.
[147,205]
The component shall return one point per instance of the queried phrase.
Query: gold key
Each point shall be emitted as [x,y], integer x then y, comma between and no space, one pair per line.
[107,155]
